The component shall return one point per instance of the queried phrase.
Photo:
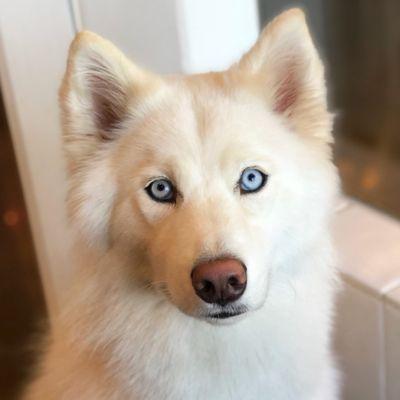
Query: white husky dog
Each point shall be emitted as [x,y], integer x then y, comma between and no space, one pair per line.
[201,205]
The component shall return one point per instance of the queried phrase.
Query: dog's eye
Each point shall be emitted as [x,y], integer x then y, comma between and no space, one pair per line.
[161,190]
[252,180]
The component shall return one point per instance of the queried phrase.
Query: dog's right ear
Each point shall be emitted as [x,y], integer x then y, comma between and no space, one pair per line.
[99,92]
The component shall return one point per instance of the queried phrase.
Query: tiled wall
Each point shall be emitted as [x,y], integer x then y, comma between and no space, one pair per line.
[368,314]
[392,344]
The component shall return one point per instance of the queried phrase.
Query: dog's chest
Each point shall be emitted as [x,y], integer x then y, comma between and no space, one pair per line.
[230,366]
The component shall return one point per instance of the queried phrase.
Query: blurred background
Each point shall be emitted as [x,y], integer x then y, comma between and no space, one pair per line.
[22,305]
[359,41]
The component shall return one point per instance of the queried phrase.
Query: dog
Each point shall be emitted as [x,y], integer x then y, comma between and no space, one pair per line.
[201,208]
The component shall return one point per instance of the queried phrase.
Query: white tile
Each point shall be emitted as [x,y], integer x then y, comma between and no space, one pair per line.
[393,296]
[392,344]
[368,244]
[358,344]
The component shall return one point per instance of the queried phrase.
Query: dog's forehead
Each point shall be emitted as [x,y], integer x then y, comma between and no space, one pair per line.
[197,114]
[196,125]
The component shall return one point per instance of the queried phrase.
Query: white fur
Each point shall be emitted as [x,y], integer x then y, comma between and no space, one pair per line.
[133,327]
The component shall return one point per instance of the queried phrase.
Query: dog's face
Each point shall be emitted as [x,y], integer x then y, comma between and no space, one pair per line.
[207,183]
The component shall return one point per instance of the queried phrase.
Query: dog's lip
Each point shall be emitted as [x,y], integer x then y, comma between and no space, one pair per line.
[224,314]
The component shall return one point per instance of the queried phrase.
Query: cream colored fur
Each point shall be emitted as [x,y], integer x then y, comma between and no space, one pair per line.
[132,326]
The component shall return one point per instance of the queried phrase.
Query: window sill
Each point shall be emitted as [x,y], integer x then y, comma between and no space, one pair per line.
[368,244]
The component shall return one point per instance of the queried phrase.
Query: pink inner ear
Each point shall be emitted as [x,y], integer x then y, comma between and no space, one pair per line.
[109,99]
[286,94]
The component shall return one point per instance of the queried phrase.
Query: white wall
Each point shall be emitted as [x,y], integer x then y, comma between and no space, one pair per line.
[170,36]
[34,38]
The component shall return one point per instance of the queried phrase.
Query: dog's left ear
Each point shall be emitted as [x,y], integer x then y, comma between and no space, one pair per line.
[285,67]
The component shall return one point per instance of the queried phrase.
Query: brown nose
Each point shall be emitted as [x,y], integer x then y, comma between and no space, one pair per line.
[220,281]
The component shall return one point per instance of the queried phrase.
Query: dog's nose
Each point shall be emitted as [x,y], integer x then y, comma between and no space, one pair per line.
[219,281]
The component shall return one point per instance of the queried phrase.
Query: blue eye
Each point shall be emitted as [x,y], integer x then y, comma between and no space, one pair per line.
[252,180]
[161,190]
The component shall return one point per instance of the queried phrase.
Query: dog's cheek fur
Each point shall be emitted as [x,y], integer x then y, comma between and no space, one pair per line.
[90,201]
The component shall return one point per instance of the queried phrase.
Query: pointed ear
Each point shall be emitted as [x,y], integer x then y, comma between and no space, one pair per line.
[287,69]
[99,92]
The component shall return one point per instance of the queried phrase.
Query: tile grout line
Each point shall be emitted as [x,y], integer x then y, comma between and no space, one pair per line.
[382,350]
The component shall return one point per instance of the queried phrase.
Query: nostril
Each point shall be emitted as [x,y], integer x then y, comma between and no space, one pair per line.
[205,289]
[233,281]
[206,286]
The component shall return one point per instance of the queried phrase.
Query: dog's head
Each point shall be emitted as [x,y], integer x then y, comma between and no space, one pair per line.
[207,183]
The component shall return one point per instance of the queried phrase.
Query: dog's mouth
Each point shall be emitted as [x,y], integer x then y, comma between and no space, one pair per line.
[226,314]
